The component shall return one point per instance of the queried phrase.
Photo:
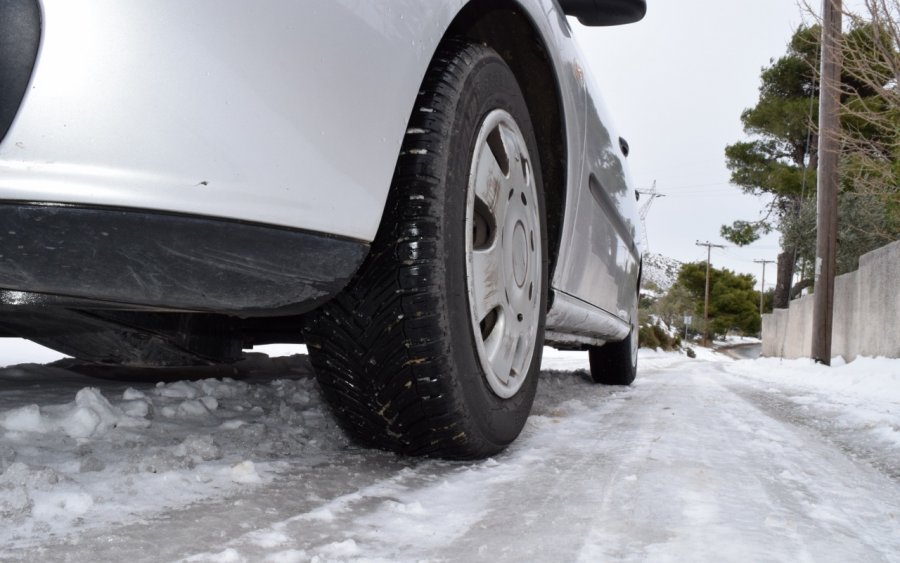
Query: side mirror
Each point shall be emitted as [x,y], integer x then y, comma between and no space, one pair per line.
[605,12]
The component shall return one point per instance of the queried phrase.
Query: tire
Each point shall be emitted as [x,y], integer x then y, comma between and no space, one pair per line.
[615,363]
[422,354]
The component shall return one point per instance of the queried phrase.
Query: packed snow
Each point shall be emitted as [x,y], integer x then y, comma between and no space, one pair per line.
[709,459]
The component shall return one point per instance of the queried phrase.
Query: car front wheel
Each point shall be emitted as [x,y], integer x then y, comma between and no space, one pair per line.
[435,347]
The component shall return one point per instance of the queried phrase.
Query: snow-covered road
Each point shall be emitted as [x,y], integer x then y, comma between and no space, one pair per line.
[704,459]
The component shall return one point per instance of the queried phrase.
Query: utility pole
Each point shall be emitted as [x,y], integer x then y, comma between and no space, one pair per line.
[709,246]
[827,188]
[762,284]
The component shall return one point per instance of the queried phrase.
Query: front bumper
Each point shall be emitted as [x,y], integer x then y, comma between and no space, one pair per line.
[170,262]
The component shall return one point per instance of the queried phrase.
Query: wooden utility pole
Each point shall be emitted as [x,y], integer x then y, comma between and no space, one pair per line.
[709,246]
[762,283]
[827,188]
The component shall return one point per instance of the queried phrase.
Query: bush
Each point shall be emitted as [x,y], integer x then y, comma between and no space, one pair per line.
[647,337]
[655,336]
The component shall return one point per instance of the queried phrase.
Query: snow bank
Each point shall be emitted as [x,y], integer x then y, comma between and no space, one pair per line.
[115,451]
[861,397]
[862,380]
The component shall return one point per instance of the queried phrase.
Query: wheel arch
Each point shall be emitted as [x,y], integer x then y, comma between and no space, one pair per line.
[506,27]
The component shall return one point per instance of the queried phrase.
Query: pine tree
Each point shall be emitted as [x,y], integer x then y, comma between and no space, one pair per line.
[781,158]
[733,303]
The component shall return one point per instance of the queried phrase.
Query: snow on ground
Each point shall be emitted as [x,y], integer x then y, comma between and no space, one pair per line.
[701,459]
[858,403]
[736,340]
[75,456]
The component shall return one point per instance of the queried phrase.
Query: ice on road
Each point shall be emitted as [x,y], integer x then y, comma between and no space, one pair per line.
[704,459]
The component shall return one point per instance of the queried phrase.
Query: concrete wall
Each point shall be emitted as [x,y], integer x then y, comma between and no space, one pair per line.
[866,313]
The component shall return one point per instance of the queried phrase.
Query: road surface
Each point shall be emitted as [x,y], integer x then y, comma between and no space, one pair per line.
[693,462]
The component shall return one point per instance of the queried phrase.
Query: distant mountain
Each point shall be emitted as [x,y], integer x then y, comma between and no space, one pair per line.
[660,270]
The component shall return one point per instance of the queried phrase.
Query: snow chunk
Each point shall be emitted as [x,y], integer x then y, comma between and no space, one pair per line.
[177,390]
[132,394]
[93,414]
[23,419]
[225,388]
[346,548]
[19,473]
[401,508]
[322,514]
[138,408]
[244,472]
[198,398]
[270,538]
[229,555]
[192,408]
[210,403]
[7,456]
[201,447]
[61,505]
[15,502]
[90,415]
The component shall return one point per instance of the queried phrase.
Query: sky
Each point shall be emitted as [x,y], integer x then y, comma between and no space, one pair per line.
[676,84]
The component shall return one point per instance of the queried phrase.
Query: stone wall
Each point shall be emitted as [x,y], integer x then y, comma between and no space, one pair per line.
[866,313]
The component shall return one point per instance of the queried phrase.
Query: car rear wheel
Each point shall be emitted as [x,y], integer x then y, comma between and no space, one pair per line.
[435,347]
[615,363]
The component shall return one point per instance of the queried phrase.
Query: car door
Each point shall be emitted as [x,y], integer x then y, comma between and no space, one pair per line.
[599,255]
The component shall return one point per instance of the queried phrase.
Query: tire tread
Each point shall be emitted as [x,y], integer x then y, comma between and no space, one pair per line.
[378,348]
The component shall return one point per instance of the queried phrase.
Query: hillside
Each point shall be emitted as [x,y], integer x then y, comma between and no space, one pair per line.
[660,270]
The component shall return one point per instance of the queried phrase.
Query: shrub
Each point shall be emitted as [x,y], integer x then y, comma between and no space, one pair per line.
[647,337]
[654,336]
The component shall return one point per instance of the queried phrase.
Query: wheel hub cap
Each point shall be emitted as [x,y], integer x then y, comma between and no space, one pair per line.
[503,253]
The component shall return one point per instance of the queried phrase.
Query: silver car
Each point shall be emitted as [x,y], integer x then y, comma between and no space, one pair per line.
[425,193]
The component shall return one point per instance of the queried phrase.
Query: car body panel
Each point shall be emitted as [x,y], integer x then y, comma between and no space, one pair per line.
[600,261]
[169,106]
[598,264]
